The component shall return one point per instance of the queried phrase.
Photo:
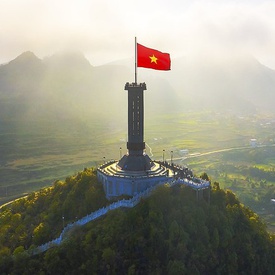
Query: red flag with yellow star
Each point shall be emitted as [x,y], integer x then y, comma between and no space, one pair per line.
[152,59]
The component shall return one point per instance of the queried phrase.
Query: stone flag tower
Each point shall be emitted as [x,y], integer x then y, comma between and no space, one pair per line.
[135,171]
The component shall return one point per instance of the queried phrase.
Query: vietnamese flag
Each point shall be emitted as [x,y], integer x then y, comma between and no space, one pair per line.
[152,59]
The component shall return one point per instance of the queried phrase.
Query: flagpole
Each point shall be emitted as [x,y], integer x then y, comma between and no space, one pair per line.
[135,60]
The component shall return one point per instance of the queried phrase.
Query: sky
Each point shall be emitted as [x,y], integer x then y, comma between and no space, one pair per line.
[104,30]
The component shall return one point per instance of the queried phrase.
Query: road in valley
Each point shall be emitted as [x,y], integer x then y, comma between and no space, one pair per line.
[195,155]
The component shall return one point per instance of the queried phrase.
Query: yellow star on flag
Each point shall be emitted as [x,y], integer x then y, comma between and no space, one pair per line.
[153,59]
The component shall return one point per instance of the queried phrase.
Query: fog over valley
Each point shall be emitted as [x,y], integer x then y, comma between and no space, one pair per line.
[66,86]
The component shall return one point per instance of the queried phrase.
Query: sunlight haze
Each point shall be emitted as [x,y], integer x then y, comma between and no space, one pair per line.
[104,30]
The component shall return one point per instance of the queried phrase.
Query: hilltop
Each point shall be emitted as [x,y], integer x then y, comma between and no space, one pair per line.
[168,233]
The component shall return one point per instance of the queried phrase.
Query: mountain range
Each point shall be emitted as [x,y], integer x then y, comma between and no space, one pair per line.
[66,85]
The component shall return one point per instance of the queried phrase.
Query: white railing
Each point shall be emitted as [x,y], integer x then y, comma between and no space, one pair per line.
[201,184]
[100,212]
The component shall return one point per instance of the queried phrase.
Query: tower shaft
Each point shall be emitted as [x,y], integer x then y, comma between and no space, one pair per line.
[135,144]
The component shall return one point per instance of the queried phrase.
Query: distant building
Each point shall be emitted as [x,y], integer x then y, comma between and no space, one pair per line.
[184,152]
[253,142]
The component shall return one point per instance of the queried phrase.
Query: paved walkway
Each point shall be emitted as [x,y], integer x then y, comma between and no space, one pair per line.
[198,184]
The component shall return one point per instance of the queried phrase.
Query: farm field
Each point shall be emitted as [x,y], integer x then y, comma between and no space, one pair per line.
[34,155]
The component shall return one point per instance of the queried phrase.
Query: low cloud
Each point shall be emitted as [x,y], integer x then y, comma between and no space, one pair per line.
[105,30]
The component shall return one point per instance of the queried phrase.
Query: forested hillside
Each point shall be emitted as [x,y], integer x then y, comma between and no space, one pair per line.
[40,216]
[168,233]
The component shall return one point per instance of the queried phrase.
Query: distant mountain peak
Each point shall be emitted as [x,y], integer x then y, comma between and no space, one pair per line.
[68,59]
[26,57]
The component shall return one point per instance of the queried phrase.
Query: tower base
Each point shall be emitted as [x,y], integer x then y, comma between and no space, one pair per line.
[135,163]
[117,181]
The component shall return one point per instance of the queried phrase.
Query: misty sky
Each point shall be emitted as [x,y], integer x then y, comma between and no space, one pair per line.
[104,30]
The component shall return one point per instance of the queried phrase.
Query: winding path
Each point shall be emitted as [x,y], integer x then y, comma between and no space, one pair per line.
[200,184]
